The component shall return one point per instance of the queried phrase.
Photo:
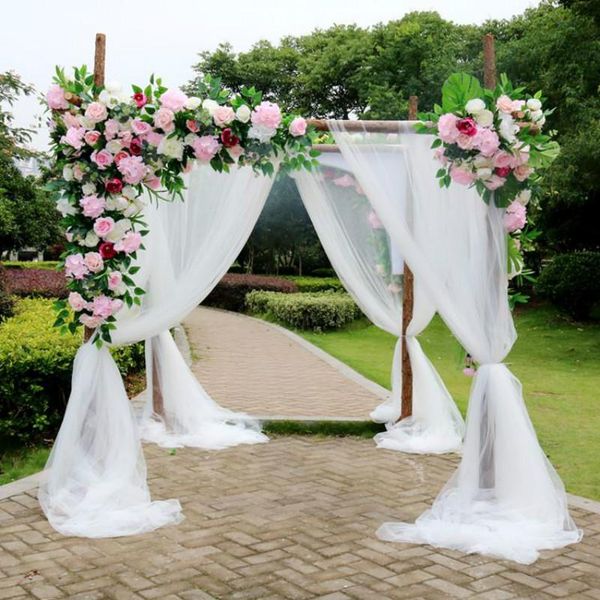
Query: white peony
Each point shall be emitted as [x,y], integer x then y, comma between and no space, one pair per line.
[243,113]
[190,138]
[475,106]
[261,133]
[114,146]
[534,104]
[524,197]
[135,208]
[192,103]
[482,162]
[538,117]
[129,192]
[67,173]
[91,240]
[65,207]
[508,128]
[484,173]
[117,202]
[210,106]
[88,189]
[485,118]
[119,230]
[171,147]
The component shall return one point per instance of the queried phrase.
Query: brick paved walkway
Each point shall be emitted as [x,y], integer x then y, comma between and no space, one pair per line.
[251,366]
[291,519]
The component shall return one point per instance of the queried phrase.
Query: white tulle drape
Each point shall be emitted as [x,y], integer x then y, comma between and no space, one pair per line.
[371,269]
[505,498]
[95,479]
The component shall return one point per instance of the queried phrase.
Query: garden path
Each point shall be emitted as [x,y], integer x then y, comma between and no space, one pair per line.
[249,365]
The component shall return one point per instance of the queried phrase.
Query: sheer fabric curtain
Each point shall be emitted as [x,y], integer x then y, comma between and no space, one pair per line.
[371,269]
[505,499]
[95,479]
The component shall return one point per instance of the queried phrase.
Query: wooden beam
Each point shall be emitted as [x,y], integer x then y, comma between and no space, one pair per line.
[360,126]
[158,404]
[489,62]
[100,60]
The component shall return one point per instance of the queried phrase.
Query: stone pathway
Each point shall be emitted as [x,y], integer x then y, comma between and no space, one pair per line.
[248,365]
[291,519]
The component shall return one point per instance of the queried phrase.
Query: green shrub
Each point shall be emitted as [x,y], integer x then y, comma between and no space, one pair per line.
[317,284]
[572,282]
[35,372]
[6,302]
[50,265]
[323,272]
[317,311]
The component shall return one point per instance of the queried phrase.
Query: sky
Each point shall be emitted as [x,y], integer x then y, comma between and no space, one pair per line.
[164,37]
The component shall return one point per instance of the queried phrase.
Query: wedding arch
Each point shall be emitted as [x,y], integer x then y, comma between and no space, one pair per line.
[382,217]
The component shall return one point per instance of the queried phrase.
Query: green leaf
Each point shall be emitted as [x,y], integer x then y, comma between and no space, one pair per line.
[457,90]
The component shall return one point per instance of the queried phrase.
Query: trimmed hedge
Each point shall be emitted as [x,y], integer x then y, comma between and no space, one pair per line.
[35,372]
[48,265]
[6,302]
[317,311]
[317,284]
[230,292]
[36,283]
[323,272]
[572,282]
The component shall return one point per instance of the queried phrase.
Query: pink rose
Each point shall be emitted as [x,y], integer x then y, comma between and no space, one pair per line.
[440,154]
[78,172]
[75,267]
[126,137]
[115,279]
[374,220]
[467,126]
[74,137]
[154,139]
[504,104]
[140,127]
[298,127]
[223,115]
[111,128]
[469,371]
[96,112]
[93,206]
[487,141]
[102,158]
[56,98]
[494,182]
[103,306]
[192,125]
[91,137]
[153,182]
[93,261]
[76,301]
[502,159]
[173,99]
[205,147]
[461,176]
[103,226]
[447,128]
[522,172]
[515,217]
[140,99]
[133,169]
[91,322]
[345,181]
[71,120]
[464,141]
[163,119]
[129,243]
[266,114]
[235,151]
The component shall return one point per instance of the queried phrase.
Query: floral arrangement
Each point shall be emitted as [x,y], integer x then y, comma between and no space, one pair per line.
[493,140]
[111,149]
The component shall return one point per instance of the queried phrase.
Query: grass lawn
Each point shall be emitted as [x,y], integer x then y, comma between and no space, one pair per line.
[557,361]
[21,463]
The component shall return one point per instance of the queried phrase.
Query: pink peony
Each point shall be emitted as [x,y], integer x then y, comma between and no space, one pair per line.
[115,279]
[154,139]
[140,127]
[298,127]
[266,114]
[133,169]
[462,176]
[163,119]
[111,128]
[103,306]
[345,180]
[502,159]
[126,137]
[494,182]
[91,322]
[93,261]
[205,147]
[91,137]
[102,158]
[173,99]
[103,226]
[153,182]
[71,120]
[504,104]
[56,98]
[522,172]
[74,137]
[75,267]
[440,154]
[235,151]
[76,301]
[93,206]
[487,141]
[223,115]
[374,220]
[447,128]
[129,243]
[466,142]
[515,217]
[96,112]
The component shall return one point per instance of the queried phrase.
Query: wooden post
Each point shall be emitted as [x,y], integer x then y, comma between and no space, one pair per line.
[407,309]
[158,405]
[489,62]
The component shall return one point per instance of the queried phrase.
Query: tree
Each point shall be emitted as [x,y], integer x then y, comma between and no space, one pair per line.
[12,138]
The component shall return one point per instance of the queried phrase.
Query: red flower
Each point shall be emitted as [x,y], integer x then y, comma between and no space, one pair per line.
[229,140]
[502,171]
[114,185]
[192,125]
[119,156]
[135,147]
[467,126]
[107,250]
[140,99]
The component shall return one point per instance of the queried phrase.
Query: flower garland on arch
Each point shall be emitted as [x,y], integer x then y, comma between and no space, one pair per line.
[110,147]
[493,140]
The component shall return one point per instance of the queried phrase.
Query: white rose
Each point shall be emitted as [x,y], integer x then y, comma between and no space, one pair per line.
[171,147]
[192,103]
[534,104]
[524,197]
[484,173]
[210,106]
[134,208]
[117,203]
[508,128]
[243,113]
[88,189]
[67,173]
[120,229]
[475,106]
[485,118]
[481,162]
[85,122]
[114,146]
[91,240]
[261,133]
[129,192]
[190,138]
[537,116]
[113,87]
[65,207]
